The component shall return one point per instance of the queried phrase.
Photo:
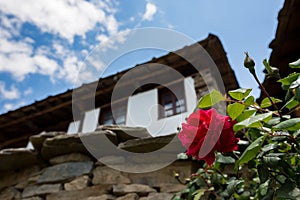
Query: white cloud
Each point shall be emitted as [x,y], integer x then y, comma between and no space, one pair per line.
[28,92]
[13,106]
[107,42]
[75,72]
[11,93]
[8,106]
[63,19]
[66,18]
[151,9]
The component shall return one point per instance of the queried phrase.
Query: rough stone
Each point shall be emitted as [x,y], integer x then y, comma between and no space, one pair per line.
[73,157]
[111,160]
[78,183]
[125,133]
[167,144]
[99,143]
[93,191]
[38,140]
[155,158]
[9,178]
[33,198]
[106,175]
[36,190]
[61,145]
[10,193]
[11,159]
[102,197]
[165,175]
[160,196]
[141,190]
[130,196]
[65,171]
[30,181]
[171,188]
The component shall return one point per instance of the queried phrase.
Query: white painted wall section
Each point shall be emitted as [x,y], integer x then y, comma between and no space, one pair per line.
[90,121]
[170,124]
[73,127]
[142,109]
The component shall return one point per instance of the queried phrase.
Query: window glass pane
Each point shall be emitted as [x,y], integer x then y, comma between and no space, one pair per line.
[117,117]
[108,122]
[180,102]
[120,119]
[168,106]
[168,113]
[168,100]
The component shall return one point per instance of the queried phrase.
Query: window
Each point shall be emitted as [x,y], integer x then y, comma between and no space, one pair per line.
[172,100]
[117,117]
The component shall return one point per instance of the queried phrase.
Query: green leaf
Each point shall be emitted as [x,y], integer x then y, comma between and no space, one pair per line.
[269,147]
[295,83]
[249,100]
[297,94]
[198,194]
[267,66]
[224,159]
[251,152]
[290,125]
[295,64]
[211,99]
[271,161]
[240,93]
[252,122]
[245,115]
[267,103]
[263,172]
[289,79]
[274,121]
[292,103]
[235,109]
[288,191]
[263,188]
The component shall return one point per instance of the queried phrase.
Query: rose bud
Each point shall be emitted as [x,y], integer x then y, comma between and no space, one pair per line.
[249,63]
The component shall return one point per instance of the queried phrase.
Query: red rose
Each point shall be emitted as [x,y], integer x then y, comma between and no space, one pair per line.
[205,132]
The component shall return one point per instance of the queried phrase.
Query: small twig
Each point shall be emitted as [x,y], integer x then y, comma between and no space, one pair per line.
[266,93]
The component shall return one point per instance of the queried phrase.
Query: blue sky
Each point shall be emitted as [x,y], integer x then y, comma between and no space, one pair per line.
[42,44]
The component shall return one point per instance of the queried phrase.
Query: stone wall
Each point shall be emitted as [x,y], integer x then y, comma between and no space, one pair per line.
[60,167]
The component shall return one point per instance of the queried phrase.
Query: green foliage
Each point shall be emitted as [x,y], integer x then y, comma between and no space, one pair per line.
[211,99]
[295,64]
[234,110]
[290,125]
[253,121]
[240,93]
[251,152]
[267,164]
[267,103]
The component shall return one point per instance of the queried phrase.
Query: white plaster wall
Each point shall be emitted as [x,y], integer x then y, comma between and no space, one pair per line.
[90,121]
[190,94]
[143,111]
[170,124]
[73,127]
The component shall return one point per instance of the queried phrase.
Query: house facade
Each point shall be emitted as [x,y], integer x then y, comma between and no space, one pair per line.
[158,95]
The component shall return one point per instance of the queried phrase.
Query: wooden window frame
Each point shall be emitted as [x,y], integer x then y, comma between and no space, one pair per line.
[163,92]
[107,109]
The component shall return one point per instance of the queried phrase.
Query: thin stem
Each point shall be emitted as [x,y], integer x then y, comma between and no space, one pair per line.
[266,93]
